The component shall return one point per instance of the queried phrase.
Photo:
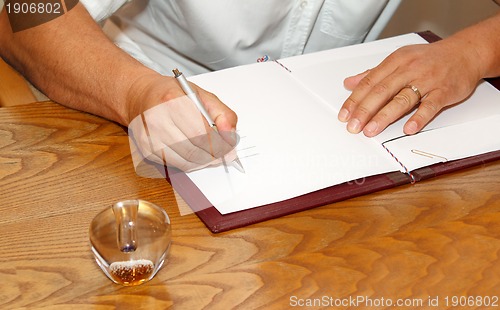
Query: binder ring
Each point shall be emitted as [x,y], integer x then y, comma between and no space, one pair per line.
[415,90]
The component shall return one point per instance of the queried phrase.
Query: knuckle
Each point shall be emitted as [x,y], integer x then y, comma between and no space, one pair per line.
[426,111]
[388,115]
[351,103]
[214,97]
[380,88]
[366,82]
[383,116]
[233,115]
[362,111]
[430,107]
[191,154]
[403,100]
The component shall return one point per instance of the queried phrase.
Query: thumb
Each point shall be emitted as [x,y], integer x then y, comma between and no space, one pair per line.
[225,119]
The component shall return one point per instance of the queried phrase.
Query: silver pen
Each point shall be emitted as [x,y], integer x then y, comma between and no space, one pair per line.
[194,97]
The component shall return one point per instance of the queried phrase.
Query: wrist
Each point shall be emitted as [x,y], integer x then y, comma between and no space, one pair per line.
[147,91]
[482,45]
[473,56]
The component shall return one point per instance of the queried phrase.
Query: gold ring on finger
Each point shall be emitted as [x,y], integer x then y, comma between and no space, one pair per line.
[415,90]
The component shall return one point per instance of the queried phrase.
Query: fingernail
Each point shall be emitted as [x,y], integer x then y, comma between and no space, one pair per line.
[371,128]
[343,115]
[354,126]
[411,127]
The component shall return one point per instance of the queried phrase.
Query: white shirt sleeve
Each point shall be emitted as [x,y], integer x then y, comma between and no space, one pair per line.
[126,44]
[100,10]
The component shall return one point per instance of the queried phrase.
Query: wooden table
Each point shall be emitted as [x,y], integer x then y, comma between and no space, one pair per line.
[436,239]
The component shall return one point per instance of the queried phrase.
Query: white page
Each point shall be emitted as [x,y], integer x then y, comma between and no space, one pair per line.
[359,51]
[299,146]
[291,132]
[323,73]
[448,143]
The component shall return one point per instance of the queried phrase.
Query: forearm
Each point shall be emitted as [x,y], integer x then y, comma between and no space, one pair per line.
[483,41]
[75,64]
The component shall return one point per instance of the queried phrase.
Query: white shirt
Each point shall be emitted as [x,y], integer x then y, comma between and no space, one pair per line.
[200,36]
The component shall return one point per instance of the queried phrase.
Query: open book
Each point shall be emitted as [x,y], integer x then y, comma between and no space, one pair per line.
[292,143]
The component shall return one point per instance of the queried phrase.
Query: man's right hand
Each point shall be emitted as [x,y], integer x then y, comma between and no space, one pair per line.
[72,61]
[166,124]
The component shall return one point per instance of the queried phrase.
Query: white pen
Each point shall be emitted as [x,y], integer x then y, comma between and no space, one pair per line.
[194,97]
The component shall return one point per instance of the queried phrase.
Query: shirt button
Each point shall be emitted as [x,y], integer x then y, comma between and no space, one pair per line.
[303,4]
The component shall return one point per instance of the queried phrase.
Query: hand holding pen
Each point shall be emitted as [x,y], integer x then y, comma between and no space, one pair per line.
[166,128]
[235,162]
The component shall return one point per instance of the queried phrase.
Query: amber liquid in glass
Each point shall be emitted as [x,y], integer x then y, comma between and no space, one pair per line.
[132,272]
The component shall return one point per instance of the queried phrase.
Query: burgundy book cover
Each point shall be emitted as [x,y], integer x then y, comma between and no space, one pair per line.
[216,222]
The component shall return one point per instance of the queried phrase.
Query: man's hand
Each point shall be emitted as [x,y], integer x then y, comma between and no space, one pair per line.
[71,60]
[168,128]
[428,77]
[382,95]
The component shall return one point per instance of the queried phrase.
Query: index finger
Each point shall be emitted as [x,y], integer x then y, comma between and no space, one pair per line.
[371,94]
[361,85]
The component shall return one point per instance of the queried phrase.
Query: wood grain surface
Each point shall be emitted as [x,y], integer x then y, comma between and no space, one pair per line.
[439,238]
[14,89]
